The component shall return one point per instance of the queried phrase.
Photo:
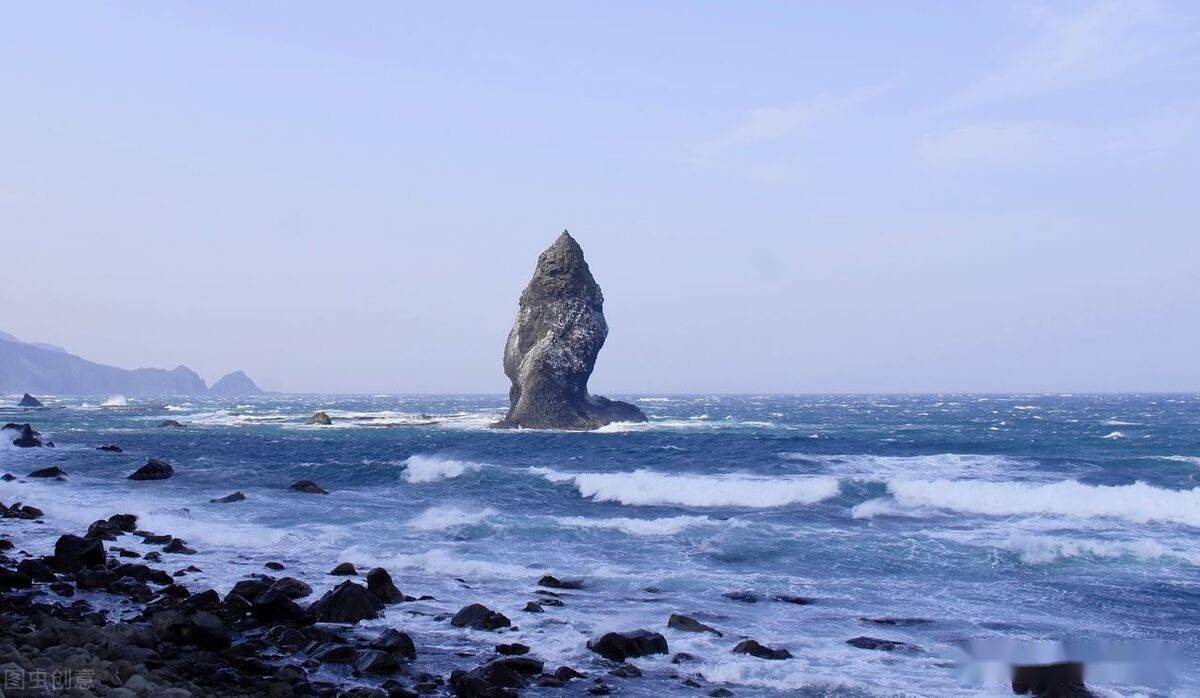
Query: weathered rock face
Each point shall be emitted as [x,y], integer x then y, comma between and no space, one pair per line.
[553,345]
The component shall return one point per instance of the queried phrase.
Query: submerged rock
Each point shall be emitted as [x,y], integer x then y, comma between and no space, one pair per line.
[29,401]
[228,499]
[756,649]
[307,487]
[553,344]
[690,625]
[52,471]
[553,582]
[110,448]
[169,423]
[874,643]
[154,469]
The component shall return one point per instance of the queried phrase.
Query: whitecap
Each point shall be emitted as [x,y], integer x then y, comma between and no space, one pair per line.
[1046,549]
[431,468]
[1113,435]
[448,516]
[638,527]
[650,488]
[115,401]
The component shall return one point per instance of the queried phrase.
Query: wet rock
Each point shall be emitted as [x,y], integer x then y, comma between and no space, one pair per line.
[28,400]
[512,649]
[285,638]
[379,583]
[319,418]
[307,487]
[124,522]
[169,423]
[292,588]
[143,573]
[27,439]
[901,622]
[8,477]
[755,649]
[155,539]
[228,499]
[208,631]
[787,598]
[626,671]
[20,511]
[874,643]
[12,579]
[394,641]
[153,556]
[154,469]
[1060,680]
[344,569]
[273,606]
[479,617]
[552,347]
[495,678]
[566,673]
[376,662]
[103,530]
[720,693]
[177,545]
[37,570]
[274,566]
[743,596]
[62,589]
[552,582]
[621,646]
[333,653]
[533,607]
[72,553]
[682,658]
[110,448]
[690,625]
[347,603]
[52,471]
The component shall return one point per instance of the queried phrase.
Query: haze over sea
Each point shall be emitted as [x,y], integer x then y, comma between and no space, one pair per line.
[1033,517]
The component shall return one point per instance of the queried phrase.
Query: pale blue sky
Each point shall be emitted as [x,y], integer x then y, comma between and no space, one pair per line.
[774,196]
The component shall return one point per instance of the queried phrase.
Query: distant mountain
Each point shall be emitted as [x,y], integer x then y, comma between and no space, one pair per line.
[45,369]
[235,384]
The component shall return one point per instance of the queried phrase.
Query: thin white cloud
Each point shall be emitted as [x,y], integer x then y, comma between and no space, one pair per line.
[981,144]
[1102,40]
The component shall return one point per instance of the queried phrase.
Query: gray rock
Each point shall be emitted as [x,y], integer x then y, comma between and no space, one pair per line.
[620,646]
[690,625]
[348,602]
[154,469]
[29,401]
[553,344]
[228,499]
[319,418]
[756,649]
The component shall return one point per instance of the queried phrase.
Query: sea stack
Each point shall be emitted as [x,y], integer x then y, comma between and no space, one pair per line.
[553,344]
[29,401]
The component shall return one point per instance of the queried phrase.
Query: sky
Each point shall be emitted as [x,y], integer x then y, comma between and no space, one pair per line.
[775,197]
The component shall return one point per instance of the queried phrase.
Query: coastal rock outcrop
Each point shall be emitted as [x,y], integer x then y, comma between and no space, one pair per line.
[553,344]
[29,401]
[154,469]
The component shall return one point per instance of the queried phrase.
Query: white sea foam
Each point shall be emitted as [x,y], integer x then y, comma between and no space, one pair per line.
[1045,549]
[448,516]
[1139,502]
[638,527]
[1195,460]
[650,488]
[115,401]
[431,468]
[942,465]
[443,562]
[1113,435]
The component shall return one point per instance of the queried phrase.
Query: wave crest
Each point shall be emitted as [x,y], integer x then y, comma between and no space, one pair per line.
[650,488]
[425,469]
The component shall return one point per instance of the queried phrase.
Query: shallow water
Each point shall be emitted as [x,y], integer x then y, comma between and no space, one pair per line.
[1023,516]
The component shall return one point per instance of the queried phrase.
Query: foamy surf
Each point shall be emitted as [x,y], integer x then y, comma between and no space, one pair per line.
[431,468]
[667,526]
[1139,502]
[650,488]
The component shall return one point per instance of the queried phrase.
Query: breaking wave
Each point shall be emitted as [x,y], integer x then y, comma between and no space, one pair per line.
[423,469]
[638,527]
[650,488]
[1139,502]
[442,517]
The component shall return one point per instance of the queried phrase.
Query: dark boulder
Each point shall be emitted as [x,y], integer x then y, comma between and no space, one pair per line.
[348,602]
[52,471]
[621,646]
[319,418]
[20,511]
[143,573]
[1060,680]
[556,583]
[273,606]
[534,607]
[28,400]
[512,649]
[292,588]
[376,662]
[344,569]
[307,487]
[27,439]
[110,448]
[103,530]
[379,583]
[124,522]
[228,499]
[251,589]
[154,469]
[690,625]
[553,344]
[72,553]
[177,545]
[272,565]
[495,678]
[392,640]
[626,671]
[37,570]
[755,649]
[169,423]
[743,596]
[8,477]
[479,617]
[788,598]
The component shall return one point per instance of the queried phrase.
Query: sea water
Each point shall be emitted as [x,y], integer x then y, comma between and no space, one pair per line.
[1021,517]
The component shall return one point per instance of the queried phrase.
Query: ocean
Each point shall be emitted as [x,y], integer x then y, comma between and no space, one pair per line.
[1028,518]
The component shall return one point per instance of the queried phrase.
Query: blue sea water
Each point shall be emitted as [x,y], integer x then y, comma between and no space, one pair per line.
[1030,517]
